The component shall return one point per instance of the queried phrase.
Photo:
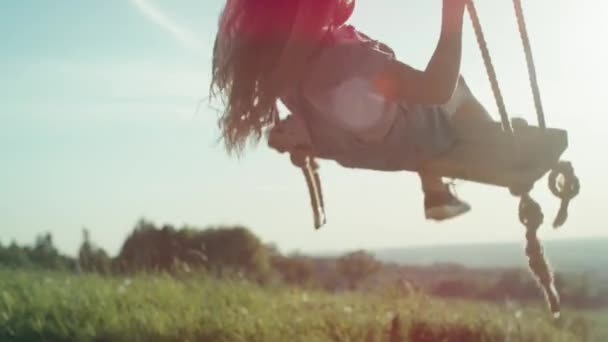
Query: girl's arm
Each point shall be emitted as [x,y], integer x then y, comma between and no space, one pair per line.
[437,82]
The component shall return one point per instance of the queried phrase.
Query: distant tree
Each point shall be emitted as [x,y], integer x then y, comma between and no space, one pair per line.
[236,248]
[43,254]
[581,291]
[148,248]
[602,298]
[46,255]
[459,288]
[3,252]
[356,266]
[15,256]
[294,269]
[511,279]
[7,259]
[220,250]
[583,286]
[92,258]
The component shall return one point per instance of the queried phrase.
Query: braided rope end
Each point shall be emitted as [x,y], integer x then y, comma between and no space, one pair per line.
[564,184]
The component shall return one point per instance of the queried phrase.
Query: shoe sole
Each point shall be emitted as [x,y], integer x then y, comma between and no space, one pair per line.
[444,213]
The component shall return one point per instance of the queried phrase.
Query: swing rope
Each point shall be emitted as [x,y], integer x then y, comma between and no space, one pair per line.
[483,46]
[530,212]
[523,32]
[569,186]
[309,167]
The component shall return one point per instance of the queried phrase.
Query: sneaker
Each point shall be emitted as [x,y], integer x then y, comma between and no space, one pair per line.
[444,205]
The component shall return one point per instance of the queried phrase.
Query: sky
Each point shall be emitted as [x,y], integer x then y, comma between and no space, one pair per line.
[105,119]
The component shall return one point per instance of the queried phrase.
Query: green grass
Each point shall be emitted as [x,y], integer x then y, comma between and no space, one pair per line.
[40,306]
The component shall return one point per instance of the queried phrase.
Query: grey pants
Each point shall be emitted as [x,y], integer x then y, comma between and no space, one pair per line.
[421,133]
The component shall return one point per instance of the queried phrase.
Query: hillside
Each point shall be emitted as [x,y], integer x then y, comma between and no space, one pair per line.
[584,255]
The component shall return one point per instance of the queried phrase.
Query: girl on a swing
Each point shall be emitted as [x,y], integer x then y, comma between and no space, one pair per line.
[351,100]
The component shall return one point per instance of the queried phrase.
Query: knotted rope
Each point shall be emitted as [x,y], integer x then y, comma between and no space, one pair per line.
[565,185]
[530,212]
[531,216]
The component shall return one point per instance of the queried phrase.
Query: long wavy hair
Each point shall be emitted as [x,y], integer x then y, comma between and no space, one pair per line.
[258,51]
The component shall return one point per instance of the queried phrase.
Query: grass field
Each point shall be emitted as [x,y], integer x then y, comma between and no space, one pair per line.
[46,306]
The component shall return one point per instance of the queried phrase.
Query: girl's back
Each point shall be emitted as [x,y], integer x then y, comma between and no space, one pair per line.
[339,85]
[350,114]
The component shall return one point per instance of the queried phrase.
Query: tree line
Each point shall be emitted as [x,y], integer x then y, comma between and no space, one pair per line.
[234,251]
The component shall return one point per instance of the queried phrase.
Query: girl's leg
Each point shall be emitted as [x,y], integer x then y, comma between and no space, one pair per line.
[431,183]
[439,202]
[464,107]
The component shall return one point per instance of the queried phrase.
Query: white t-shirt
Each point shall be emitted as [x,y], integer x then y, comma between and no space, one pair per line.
[345,94]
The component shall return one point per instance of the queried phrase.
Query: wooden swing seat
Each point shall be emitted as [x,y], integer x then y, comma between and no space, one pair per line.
[487,154]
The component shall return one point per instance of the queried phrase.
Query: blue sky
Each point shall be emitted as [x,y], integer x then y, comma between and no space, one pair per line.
[99,126]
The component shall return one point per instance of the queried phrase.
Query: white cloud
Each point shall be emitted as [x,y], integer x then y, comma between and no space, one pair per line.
[159,18]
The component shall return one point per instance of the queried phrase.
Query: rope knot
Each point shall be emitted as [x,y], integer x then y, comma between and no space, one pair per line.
[530,213]
[564,184]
